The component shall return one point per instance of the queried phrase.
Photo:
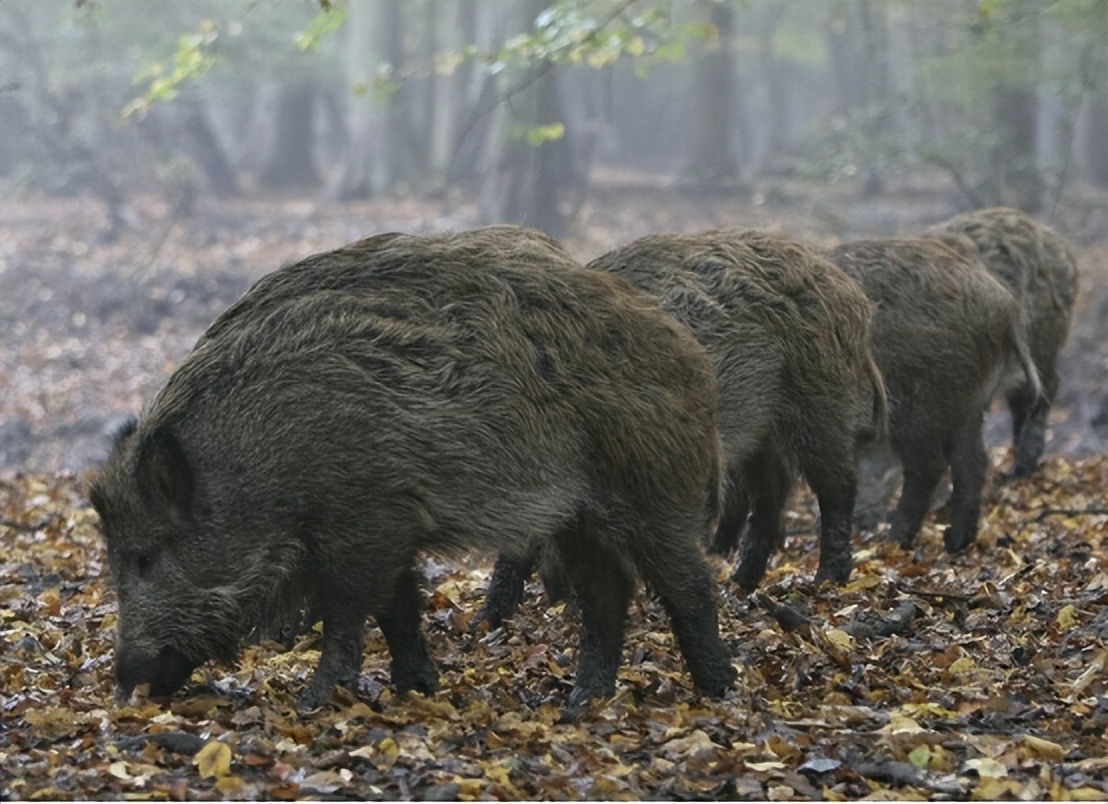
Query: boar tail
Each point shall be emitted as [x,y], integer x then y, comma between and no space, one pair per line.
[880,401]
[1017,343]
[717,493]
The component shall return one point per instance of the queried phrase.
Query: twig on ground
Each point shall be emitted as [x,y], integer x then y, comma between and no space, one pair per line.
[902,773]
[1092,511]
[787,617]
[871,624]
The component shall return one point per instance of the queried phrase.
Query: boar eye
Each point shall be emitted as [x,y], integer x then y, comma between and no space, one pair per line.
[140,560]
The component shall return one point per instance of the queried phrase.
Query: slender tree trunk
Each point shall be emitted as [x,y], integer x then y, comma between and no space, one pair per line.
[357,178]
[877,104]
[220,176]
[405,152]
[1016,113]
[778,86]
[529,183]
[1096,138]
[709,159]
[292,162]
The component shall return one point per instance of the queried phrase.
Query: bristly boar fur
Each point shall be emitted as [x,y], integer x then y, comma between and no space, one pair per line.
[402,394]
[945,331]
[1041,272]
[788,334]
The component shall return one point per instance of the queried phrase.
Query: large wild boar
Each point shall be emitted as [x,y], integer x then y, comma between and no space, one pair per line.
[1040,270]
[405,394]
[788,334]
[945,333]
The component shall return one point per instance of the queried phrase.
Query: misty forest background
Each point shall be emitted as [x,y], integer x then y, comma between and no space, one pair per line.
[281,127]
[131,143]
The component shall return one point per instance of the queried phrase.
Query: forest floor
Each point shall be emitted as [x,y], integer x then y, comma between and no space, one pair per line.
[982,675]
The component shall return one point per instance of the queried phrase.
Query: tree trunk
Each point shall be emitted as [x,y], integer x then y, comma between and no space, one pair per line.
[356,178]
[207,152]
[404,151]
[709,160]
[877,104]
[292,163]
[778,85]
[1015,112]
[530,184]
[1095,168]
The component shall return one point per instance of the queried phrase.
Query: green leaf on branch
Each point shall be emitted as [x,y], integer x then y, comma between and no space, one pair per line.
[191,61]
[323,24]
[540,134]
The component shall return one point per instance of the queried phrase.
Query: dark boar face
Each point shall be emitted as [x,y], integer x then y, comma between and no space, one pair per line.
[175,584]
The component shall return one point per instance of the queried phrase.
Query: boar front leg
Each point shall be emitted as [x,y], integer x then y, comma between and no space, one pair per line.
[340,661]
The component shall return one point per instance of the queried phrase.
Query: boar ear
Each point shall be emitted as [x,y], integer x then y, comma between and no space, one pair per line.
[165,474]
[122,430]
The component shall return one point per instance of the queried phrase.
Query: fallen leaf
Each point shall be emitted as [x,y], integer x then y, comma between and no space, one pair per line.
[213,760]
[1043,748]
[1067,617]
[985,767]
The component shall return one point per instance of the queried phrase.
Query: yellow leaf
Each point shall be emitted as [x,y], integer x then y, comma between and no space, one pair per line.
[987,768]
[388,752]
[1067,618]
[119,770]
[1044,748]
[1087,794]
[229,784]
[992,789]
[961,665]
[900,724]
[863,582]
[470,788]
[928,709]
[765,766]
[941,760]
[840,639]
[920,756]
[213,760]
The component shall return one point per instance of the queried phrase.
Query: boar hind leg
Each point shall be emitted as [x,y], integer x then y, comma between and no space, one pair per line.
[770,481]
[340,661]
[1029,416]
[924,464]
[736,508]
[412,665]
[682,579]
[834,486]
[602,584]
[967,470]
[505,589]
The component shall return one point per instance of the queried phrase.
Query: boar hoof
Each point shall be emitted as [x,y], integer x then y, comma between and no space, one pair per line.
[312,699]
[837,573]
[957,541]
[716,684]
[319,690]
[424,681]
[747,578]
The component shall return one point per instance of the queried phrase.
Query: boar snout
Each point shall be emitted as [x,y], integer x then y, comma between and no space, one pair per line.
[165,671]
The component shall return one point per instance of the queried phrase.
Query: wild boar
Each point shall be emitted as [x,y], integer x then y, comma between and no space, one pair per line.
[405,394]
[1041,272]
[788,334]
[945,333]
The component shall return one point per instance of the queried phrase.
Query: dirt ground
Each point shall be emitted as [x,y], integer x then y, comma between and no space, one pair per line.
[91,330]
